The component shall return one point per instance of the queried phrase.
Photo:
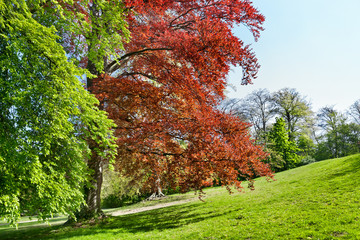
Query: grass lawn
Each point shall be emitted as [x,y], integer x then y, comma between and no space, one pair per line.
[317,201]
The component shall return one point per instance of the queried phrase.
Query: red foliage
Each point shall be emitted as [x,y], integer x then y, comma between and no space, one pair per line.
[182,142]
[164,89]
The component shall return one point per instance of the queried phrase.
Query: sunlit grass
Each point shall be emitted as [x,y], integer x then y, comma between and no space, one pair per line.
[318,201]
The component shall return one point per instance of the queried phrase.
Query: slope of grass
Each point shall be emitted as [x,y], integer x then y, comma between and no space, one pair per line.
[318,201]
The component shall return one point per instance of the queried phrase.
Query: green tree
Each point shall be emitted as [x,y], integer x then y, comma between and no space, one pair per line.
[330,121]
[282,145]
[340,138]
[293,108]
[350,139]
[305,144]
[47,120]
[92,34]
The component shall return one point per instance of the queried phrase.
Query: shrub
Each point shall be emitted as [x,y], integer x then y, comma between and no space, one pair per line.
[112,201]
[307,160]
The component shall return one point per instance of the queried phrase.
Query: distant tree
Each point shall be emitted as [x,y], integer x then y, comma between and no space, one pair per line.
[293,108]
[340,138]
[258,108]
[283,146]
[343,141]
[349,139]
[305,145]
[355,111]
[330,120]
[229,105]
[306,137]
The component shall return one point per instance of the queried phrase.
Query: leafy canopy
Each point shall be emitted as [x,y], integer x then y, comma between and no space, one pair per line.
[46,119]
[281,144]
[164,89]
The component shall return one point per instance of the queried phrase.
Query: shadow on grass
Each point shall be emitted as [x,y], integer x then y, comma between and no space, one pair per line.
[31,230]
[166,218]
[160,219]
[31,222]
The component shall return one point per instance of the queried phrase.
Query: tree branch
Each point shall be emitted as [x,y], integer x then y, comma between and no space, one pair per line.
[113,66]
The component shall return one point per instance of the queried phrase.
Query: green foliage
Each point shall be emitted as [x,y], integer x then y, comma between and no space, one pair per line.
[118,190]
[46,119]
[280,143]
[307,160]
[96,30]
[293,108]
[274,159]
[350,138]
[305,145]
[322,151]
[341,141]
[340,137]
[112,201]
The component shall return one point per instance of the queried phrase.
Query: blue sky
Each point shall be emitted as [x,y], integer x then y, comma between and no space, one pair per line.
[310,45]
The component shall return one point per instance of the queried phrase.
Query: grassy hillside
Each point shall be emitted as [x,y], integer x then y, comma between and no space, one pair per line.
[317,201]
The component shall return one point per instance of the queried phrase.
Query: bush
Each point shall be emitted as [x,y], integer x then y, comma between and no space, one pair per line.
[307,160]
[275,160]
[112,201]
[170,191]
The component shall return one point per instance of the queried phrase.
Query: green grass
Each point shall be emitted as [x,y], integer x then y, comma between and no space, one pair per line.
[317,201]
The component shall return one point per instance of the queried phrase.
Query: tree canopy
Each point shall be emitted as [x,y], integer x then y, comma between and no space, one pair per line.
[46,120]
[341,138]
[163,86]
[355,111]
[292,107]
[258,108]
[280,142]
[164,89]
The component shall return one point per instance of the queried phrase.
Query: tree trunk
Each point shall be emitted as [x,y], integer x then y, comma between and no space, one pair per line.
[158,192]
[92,191]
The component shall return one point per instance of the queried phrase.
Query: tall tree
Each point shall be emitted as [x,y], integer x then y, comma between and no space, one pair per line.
[176,86]
[92,33]
[162,88]
[47,118]
[355,111]
[281,144]
[340,138]
[330,119]
[258,108]
[293,108]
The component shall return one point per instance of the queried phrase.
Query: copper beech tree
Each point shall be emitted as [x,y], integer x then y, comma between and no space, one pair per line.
[162,88]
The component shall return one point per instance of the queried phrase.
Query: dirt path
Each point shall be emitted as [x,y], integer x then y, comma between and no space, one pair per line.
[143,209]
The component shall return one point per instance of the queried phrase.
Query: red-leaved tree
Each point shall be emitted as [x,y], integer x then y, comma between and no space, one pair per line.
[163,86]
